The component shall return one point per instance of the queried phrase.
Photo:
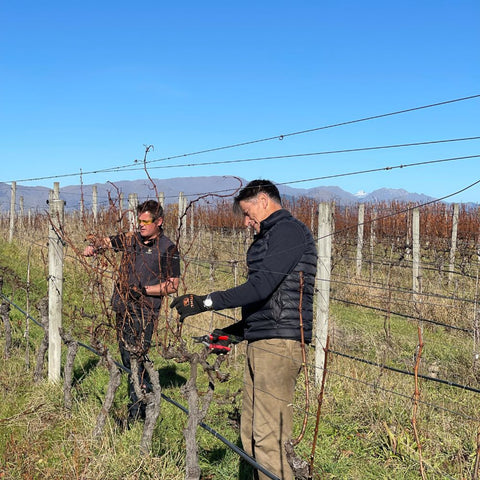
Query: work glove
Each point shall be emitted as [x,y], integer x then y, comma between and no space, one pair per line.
[189,304]
[136,293]
[218,341]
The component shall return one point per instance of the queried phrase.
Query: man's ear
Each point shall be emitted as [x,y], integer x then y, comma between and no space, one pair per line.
[264,199]
[159,221]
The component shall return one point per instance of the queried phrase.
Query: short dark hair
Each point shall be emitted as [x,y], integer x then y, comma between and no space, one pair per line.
[152,207]
[253,188]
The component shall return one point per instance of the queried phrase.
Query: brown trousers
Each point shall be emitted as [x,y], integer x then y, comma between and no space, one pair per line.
[271,370]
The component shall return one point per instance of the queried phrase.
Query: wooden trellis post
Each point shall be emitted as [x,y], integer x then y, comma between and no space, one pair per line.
[82,206]
[121,198]
[132,211]
[95,203]
[182,218]
[55,283]
[325,232]
[161,199]
[360,225]
[373,216]
[22,212]
[453,245]
[12,211]
[416,251]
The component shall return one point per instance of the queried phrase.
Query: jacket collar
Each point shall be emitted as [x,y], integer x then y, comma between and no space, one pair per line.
[271,220]
[151,241]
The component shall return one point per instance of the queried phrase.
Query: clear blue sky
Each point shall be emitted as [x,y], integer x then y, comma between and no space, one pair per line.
[86,85]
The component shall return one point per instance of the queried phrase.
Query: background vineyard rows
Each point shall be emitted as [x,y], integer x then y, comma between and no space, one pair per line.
[374,327]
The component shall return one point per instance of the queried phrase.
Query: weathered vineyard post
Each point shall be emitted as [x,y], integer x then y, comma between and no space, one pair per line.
[417,276]
[82,206]
[453,245]
[182,216]
[12,211]
[161,199]
[360,225]
[416,250]
[192,221]
[55,283]
[325,232]
[95,204]
[132,209]
[22,213]
[373,239]
[476,330]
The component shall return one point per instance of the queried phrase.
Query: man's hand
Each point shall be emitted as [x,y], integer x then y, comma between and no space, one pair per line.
[89,251]
[96,245]
[218,341]
[189,304]
[136,293]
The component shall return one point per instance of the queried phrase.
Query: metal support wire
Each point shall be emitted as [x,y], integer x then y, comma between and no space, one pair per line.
[405,372]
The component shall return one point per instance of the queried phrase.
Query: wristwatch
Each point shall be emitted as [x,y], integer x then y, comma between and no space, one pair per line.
[208,302]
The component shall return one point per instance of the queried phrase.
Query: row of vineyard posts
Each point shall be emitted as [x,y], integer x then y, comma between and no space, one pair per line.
[324,228]
[56,244]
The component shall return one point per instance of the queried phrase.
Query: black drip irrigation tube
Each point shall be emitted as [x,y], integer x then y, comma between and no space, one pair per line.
[206,427]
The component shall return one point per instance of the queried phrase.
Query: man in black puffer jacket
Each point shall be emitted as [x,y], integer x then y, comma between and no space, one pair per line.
[282,262]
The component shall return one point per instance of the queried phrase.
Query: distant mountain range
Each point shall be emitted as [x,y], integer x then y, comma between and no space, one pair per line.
[212,187]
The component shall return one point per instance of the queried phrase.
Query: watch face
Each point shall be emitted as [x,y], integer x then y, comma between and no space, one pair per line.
[208,302]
